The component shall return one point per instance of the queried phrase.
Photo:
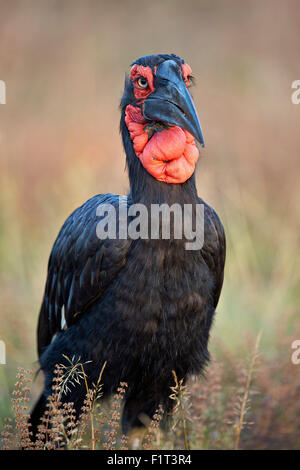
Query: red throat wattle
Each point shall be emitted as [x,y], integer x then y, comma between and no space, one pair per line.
[170,155]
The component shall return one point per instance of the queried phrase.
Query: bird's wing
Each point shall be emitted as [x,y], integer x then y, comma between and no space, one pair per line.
[214,248]
[80,268]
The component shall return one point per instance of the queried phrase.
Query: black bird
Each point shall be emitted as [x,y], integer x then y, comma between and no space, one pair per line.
[144,305]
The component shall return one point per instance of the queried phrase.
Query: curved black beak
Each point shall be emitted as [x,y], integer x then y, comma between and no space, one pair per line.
[171,102]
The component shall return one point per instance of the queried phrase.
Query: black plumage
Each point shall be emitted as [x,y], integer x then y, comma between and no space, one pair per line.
[144,306]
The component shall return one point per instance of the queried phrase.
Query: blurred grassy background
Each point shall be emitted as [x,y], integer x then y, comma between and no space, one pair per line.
[63,63]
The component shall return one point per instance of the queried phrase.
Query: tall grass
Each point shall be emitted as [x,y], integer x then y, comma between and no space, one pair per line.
[213,413]
[95,427]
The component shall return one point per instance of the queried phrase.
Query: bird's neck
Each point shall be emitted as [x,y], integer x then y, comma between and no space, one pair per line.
[145,189]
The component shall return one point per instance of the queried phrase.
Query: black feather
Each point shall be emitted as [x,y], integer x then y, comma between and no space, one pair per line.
[144,306]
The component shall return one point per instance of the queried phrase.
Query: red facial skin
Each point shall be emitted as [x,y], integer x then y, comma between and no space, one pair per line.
[140,71]
[186,73]
[169,155]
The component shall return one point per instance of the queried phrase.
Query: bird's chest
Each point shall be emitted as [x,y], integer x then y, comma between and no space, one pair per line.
[163,292]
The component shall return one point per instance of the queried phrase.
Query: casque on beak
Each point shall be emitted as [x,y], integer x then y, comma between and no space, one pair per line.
[171,102]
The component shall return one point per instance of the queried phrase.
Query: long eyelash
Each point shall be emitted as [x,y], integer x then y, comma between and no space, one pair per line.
[192,81]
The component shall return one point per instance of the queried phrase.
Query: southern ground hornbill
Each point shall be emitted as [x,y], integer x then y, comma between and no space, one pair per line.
[145,305]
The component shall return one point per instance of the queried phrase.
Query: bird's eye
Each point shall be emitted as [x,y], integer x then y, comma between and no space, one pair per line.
[188,81]
[142,82]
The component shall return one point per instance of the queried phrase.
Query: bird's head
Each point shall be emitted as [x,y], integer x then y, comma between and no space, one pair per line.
[159,117]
